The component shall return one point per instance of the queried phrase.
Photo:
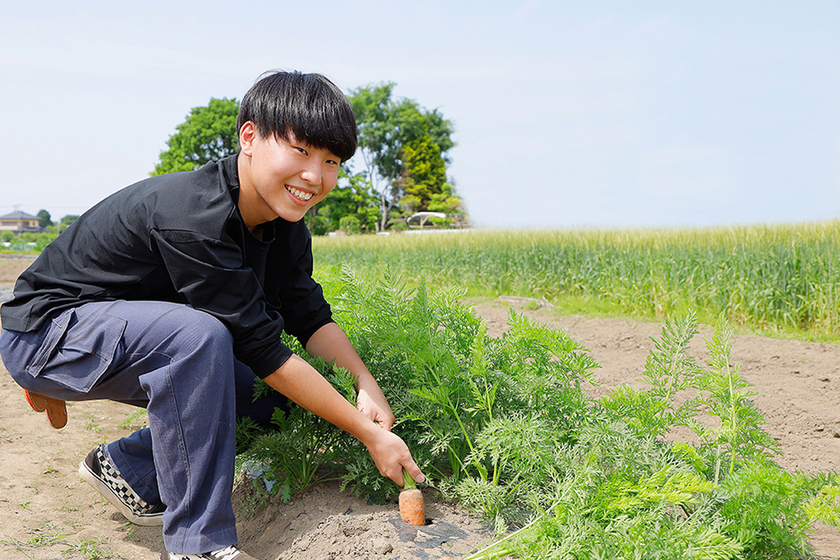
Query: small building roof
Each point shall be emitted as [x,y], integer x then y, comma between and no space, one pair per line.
[18,215]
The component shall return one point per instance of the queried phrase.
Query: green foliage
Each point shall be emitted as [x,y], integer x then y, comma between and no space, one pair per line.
[505,428]
[627,494]
[763,506]
[208,133]
[350,199]
[738,437]
[28,242]
[386,127]
[350,224]
[68,220]
[405,339]
[423,174]
[449,203]
[296,454]
[669,371]
[453,389]
[824,506]
[44,219]
[424,185]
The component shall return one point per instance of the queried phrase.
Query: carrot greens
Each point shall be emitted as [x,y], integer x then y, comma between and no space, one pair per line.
[505,427]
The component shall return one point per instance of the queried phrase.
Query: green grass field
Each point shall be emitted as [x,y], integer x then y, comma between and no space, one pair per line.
[779,280]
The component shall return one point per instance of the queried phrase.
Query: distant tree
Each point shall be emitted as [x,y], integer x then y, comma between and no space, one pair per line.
[351,197]
[208,133]
[386,125]
[67,220]
[44,219]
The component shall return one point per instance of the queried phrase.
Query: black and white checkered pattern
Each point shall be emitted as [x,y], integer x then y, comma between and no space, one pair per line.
[100,473]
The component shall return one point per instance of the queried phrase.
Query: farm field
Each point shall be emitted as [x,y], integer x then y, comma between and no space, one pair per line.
[797,386]
[780,280]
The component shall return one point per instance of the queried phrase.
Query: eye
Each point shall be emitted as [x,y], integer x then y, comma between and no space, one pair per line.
[301,150]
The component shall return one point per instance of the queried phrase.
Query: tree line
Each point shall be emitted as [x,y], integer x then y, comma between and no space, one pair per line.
[400,167]
[45,221]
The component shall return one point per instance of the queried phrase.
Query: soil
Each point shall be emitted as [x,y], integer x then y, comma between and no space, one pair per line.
[50,513]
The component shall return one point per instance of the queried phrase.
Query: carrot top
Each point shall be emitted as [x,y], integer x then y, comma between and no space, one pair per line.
[408,481]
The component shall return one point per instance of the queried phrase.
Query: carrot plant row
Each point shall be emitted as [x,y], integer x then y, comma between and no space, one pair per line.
[777,278]
[505,427]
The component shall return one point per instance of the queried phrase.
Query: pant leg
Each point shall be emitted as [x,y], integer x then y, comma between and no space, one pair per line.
[180,361]
[132,455]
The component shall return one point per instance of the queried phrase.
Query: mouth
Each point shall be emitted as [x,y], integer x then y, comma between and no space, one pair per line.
[303,196]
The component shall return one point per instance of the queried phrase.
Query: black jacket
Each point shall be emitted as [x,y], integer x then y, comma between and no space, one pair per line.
[180,238]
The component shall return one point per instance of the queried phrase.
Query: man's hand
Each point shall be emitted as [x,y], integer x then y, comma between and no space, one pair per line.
[388,451]
[301,383]
[391,455]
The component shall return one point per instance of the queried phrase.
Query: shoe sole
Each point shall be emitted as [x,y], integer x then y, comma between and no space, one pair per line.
[152,520]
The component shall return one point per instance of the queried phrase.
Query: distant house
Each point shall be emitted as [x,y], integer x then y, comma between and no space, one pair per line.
[20,222]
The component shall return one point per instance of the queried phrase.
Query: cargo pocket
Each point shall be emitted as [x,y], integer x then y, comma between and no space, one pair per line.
[76,353]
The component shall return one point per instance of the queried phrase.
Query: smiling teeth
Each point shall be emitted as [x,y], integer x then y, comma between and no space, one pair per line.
[299,194]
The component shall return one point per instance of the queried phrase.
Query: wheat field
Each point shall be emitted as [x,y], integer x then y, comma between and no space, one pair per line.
[776,278]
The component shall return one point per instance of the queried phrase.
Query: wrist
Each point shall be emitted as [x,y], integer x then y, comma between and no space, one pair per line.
[369,432]
[365,380]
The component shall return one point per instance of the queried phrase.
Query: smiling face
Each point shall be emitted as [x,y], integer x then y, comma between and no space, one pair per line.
[280,178]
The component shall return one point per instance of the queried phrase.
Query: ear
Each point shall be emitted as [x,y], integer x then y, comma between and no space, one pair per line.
[247,135]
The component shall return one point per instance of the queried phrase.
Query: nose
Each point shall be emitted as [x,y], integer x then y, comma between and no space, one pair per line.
[311,173]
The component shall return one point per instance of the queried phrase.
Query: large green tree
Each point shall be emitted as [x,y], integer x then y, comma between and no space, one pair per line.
[424,183]
[386,125]
[208,133]
[403,147]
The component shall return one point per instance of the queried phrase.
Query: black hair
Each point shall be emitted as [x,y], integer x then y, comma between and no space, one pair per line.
[308,107]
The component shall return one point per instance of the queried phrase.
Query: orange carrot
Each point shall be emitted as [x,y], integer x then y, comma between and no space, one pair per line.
[412,509]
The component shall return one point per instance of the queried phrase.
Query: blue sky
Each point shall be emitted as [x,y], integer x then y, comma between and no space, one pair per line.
[567,114]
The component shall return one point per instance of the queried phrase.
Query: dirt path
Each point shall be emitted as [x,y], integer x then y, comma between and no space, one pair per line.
[48,513]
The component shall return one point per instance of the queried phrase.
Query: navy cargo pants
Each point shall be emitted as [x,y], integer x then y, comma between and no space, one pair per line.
[179,364]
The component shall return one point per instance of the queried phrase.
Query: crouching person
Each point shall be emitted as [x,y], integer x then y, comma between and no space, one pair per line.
[172,294]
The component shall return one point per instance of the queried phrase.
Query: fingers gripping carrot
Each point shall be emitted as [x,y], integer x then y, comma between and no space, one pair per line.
[412,508]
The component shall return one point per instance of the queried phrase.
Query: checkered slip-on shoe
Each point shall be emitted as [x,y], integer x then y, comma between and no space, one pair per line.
[98,471]
[227,553]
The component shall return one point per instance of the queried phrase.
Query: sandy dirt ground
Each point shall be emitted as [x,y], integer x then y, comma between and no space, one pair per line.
[47,512]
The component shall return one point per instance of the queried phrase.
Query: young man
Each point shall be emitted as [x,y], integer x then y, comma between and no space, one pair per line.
[173,293]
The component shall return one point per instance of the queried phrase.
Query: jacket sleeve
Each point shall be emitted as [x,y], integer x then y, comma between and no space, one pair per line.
[209,275]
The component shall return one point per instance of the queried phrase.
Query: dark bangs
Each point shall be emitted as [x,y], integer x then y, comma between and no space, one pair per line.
[308,107]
